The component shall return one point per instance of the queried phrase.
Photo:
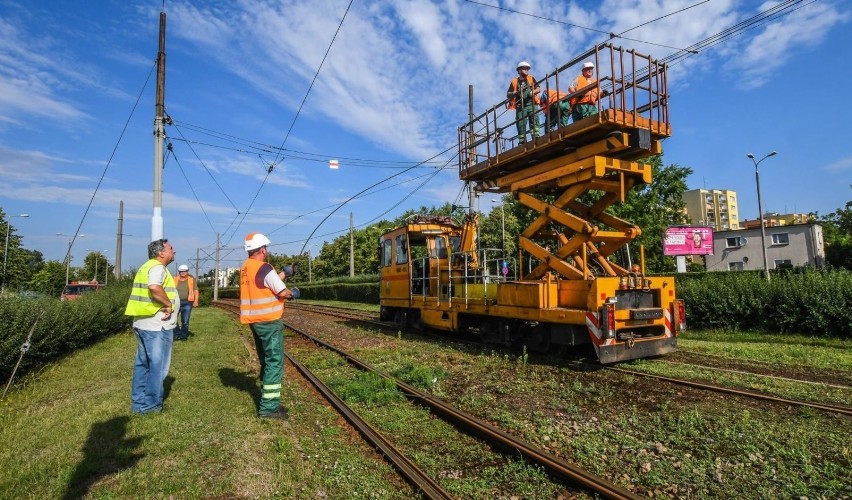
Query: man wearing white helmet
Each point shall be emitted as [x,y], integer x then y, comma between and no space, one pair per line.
[262,295]
[187,290]
[585,104]
[523,98]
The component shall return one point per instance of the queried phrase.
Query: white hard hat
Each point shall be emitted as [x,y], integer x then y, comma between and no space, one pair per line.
[588,64]
[183,267]
[523,64]
[255,241]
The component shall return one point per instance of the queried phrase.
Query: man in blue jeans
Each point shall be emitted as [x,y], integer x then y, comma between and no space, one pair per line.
[152,303]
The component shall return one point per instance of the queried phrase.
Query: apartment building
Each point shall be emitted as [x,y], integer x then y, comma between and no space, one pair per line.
[717,208]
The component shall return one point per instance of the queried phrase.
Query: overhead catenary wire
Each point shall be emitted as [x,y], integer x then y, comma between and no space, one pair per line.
[609,34]
[109,162]
[296,117]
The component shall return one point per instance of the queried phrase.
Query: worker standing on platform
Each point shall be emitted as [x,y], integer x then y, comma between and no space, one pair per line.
[585,104]
[556,107]
[523,98]
[152,303]
[187,290]
[262,294]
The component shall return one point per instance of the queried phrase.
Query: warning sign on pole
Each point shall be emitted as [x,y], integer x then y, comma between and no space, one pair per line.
[333,164]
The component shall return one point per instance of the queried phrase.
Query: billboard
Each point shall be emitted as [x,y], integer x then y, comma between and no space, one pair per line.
[688,240]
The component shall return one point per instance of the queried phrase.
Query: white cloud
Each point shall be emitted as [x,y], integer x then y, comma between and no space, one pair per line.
[840,165]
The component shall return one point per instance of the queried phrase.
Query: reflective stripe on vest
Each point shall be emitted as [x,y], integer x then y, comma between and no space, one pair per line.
[257,305]
[140,302]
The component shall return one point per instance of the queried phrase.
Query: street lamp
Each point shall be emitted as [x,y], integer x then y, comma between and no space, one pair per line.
[310,273]
[6,253]
[97,259]
[760,209]
[502,225]
[68,255]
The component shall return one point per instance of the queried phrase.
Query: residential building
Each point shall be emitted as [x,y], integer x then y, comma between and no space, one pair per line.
[774,219]
[788,245]
[716,208]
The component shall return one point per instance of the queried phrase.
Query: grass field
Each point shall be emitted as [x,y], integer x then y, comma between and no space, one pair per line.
[67,431]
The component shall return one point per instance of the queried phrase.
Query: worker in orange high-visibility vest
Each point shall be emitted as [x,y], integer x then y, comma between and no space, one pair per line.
[557,109]
[262,295]
[585,104]
[187,290]
[523,96]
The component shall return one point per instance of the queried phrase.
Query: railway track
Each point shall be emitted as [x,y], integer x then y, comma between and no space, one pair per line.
[478,428]
[371,318]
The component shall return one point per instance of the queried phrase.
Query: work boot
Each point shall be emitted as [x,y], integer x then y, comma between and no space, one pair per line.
[279,414]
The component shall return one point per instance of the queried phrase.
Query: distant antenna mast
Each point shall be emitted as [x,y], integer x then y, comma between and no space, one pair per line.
[159,135]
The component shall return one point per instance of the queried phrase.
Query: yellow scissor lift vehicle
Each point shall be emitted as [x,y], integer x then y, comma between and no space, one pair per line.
[434,275]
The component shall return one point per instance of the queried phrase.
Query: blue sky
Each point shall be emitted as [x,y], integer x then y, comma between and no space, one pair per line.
[391,93]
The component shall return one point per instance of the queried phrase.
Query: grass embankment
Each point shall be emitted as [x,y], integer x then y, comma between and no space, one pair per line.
[67,431]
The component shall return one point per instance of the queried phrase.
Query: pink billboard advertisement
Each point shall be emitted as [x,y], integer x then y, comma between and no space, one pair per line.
[688,240]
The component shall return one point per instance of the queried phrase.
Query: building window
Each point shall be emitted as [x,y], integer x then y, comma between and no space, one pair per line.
[735,266]
[732,242]
[783,263]
[781,239]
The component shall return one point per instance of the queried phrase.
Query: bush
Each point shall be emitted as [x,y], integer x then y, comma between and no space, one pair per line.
[801,300]
[61,327]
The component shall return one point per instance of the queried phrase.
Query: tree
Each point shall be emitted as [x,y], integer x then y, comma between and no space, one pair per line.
[95,267]
[50,279]
[17,273]
[837,234]
[653,208]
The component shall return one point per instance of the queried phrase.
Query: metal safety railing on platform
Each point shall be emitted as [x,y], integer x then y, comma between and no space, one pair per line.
[632,90]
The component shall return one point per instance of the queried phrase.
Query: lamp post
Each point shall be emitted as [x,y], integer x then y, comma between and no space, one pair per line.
[68,256]
[97,260]
[6,252]
[502,225]
[760,209]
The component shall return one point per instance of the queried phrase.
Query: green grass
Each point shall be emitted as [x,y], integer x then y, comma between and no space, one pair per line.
[67,431]
[779,349]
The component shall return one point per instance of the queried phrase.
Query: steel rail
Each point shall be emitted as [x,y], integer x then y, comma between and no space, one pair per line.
[406,467]
[551,462]
[738,392]
[766,397]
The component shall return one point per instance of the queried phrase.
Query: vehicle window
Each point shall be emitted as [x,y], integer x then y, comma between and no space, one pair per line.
[401,249]
[386,253]
[441,247]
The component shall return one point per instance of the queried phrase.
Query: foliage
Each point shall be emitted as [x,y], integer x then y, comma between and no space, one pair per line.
[801,300]
[653,208]
[49,280]
[19,263]
[837,234]
[95,267]
[62,327]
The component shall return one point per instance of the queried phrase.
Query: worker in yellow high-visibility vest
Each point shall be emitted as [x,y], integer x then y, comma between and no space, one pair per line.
[262,294]
[152,303]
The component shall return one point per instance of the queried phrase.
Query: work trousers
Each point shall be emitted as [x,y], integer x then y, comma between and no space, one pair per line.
[581,111]
[558,114]
[526,116]
[269,343]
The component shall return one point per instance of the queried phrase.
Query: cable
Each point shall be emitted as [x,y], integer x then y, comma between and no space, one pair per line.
[205,168]
[189,184]
[363,191]
[609,34]
[296,117]
[109,162]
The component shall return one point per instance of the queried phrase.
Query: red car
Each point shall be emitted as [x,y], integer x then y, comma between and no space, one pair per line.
[75,289]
